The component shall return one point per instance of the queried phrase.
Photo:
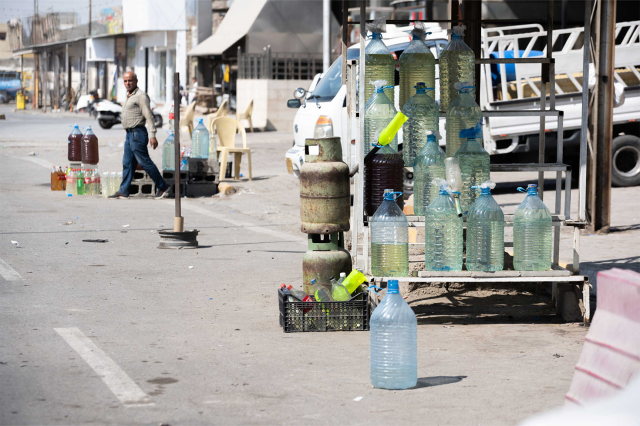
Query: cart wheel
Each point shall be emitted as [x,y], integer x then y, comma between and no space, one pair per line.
[626,161]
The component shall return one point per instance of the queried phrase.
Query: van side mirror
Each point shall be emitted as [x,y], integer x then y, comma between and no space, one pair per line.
[293,103]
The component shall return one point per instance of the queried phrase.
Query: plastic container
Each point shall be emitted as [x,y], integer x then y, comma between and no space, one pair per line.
[428,165]
[389,239]
[72,182]
[80,182]
[200,141]
[532,233]
[169,153]
[485,232]
[442,232]
[95,180]
[88,182]
[338,291]
[385,170]
[354,280]
[379,63]
[90,147]
[378,113]
[416,64]
[463,113]
[74,145]
[113,183]
[423,116]
[457,63]
[393,342]
[474,165]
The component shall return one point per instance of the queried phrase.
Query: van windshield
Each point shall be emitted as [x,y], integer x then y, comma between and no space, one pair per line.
[331,82]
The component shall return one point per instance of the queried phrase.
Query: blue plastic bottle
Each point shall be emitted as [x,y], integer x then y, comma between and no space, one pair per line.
[485,232]
[200,141]
[532,233]
[394,342]
[442,232]
[389,239]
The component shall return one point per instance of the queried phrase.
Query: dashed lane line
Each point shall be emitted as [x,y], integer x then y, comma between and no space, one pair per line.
[8,273]
[122,386]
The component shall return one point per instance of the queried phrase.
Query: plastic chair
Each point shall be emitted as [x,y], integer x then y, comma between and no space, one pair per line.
[221,112]
[225,128]
[246,115]
[187,120]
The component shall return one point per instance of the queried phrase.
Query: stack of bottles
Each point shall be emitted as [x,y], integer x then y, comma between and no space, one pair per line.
[83,181]
[110,183]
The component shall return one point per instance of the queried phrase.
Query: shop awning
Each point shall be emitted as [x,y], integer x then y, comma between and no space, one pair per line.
[235,25]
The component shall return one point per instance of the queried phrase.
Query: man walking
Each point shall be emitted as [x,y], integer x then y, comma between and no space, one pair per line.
[136,112]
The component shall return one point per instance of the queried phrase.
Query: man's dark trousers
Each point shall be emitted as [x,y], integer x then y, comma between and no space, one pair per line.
[136,152]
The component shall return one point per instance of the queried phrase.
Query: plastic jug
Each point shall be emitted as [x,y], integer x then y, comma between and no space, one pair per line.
[89,147]
[354,280]
[474,165]
[169,153]
[379,63]
[463,113]
[423,116]
[389,239]
[200,141]
[428,165]
[378,113]
[485,232]
[74,145]
[442,232]
[532,233]
[457,63]
[338,291]
[416,64]
[393,342]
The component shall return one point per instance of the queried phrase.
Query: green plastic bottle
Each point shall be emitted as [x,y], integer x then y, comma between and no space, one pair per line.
[422,113]
[443,232]
[416,64]
[485,232]
[474,165]
[532,233]
[428,165]
[80,182]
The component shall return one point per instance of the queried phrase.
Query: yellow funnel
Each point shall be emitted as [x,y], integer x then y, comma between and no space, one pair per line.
[389,132]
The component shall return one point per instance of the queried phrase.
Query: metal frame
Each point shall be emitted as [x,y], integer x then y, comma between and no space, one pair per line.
[360,231]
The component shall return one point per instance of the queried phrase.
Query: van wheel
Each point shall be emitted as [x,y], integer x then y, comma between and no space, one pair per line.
[625,170]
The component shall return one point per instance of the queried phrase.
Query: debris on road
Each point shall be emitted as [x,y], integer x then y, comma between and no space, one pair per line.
[358,398]
[125,226]
[15,243]
[67,223]
[95,241]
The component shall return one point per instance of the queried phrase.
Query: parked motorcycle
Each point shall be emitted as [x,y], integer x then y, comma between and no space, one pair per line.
[109,114]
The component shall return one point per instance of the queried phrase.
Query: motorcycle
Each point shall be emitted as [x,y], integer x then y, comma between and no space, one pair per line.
[109,114]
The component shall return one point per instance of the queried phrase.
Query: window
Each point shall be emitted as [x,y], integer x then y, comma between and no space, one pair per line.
[3,36]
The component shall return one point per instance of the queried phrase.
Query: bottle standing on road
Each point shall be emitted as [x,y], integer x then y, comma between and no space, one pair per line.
[169,153]
[485,232]
[423,116]
[416,64]
[74,146]
[113,182]
[88,182]
[379,63]
[90,147]
[463,113]
[457,63]
[96,182]
[200,141]
[105,182]
[474,165]
[80,180]
[428,165]
[378,113]
[442,232]
[393,342]
[389,239]
[532,233]
[72,182]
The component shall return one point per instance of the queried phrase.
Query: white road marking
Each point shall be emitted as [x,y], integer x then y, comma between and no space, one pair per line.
[8,273]
[255,228]
[122,386]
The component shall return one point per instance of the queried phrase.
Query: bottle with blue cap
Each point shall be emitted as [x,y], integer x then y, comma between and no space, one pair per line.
[423,116]
[393,342]
[485,232]
[463,113]
[200,141]
[389,239]
[532,233]
[442,232]
[474,165]
[416,64]
[378,60]
[378,113]
[457,63]
[168,152]
[428,165]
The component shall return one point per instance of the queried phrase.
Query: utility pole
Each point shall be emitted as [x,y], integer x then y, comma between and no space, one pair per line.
[326,35]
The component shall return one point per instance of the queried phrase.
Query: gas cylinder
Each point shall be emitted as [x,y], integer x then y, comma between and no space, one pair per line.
[324,188]
[326,258]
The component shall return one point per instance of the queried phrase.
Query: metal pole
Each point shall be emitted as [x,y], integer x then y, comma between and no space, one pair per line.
[178,223]
[326,34]
[364,263]
[345,34]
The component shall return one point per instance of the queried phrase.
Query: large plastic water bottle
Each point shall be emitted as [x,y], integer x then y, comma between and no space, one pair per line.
[457,63]
[200,141]
[378,113]
[442,232]
[485,232]
[169,153]
[423,116]
[532,233]
[474,165]
[389,239]
[394,342]
[416,64]
[463,113]
[428,165]
[379,63]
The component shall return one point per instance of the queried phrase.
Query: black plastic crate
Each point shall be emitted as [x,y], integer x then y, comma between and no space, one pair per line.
[202,189]
[351,315]
[202,178]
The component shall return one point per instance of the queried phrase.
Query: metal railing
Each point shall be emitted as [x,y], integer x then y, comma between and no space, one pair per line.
[278,66]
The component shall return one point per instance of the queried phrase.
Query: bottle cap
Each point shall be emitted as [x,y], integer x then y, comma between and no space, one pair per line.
[393,287]
[433,136]
[390,195]
[343,274]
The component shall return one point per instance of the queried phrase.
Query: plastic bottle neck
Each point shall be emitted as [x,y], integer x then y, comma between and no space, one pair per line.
[455,36]
[376,36]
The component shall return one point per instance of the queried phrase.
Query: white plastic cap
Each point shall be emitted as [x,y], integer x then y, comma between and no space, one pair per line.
[488,184]
[343,274]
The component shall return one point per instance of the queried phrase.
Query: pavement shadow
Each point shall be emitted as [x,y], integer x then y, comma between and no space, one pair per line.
[428,382]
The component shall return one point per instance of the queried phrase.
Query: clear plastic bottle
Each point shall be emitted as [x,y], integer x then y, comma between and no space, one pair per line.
[80,181]
[442,232]
[416,64]
[113,183]
[169,153]
[457,63]
[338,291]
[423,116]
[200,141]
[96,182]
[393,342]
[88,182]
[379,62]
[378,113]
[389,239]
[474,165]
[320,292]
[428,165]
[485,232]
[532,233]
[72,182]
[463,113]
[118,181]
